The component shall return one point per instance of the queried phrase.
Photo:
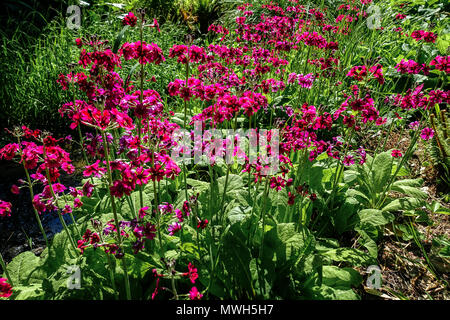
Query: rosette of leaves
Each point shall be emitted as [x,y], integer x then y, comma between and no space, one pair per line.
[376,197]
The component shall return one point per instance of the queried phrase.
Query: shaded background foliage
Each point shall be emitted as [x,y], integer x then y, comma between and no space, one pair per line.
[36,46]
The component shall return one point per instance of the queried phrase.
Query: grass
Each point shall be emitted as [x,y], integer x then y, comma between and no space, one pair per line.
[32,57]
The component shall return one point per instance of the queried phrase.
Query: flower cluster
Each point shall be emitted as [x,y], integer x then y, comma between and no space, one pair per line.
[5,288]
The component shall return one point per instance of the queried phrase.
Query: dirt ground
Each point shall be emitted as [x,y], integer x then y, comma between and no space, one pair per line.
[409,271]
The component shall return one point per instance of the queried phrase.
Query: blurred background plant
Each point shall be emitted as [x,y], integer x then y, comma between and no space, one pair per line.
[36,46]
[440,150]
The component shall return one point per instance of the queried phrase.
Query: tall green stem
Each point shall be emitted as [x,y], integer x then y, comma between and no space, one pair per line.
[222,204]
[3,264]
[116,218]
[185,118]
[36,214]
[263,213]
[61,219]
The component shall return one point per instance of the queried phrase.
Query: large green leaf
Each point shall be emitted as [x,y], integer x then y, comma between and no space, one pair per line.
[235,188]
[375,217]
[353,256]
[30,292]
[403,204]
[381,171]
[236,257]
[25,269]
[345,217]
[337,284]
[368,234]
[239,214]
[408,183]
[290,242]
[410,191]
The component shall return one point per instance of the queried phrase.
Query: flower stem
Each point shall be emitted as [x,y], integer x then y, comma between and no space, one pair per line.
[3,264]
[36,214]
[61,219]
[116,219]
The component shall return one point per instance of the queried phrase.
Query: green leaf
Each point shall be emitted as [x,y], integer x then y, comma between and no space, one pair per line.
[59,253]
[442,43]
[408,183]
[315,176]
[403,204]
[238,214]
[367,235]
[236,257]
[381,171]
[375,217]
[25,269]
[337,283]
[200,186]
[30,292]
[329,293]
[235,188]
[119,39]
[341,278]
[353,256]
[279,201]
[345,216]
[292,244]
[401,172]
[350,176]
[410,191]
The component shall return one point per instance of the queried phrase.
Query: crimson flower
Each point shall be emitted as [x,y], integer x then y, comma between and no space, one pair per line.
[396,153]
[5,208]
[194,294]
[5,288]
[130,19]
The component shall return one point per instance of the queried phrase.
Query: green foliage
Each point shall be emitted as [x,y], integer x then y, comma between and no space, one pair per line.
[372,182]
[258,244]
[440,149]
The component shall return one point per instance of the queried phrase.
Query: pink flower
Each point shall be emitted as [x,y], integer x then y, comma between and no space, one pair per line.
[9,151]
[78,42]
[88,188]
[418,34]
[396,153]
[166,208]
[130,19]
[441,63]
[119,188]
[155,25]
[174,228]
[143,212]
[358,72]
[94,170]
[348,160]
[67,209]
[15,189]
[5,209]
[193,275]
[77,203]
[6,289]
[414,125]
[194,294]
[202,224]
[427,133]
